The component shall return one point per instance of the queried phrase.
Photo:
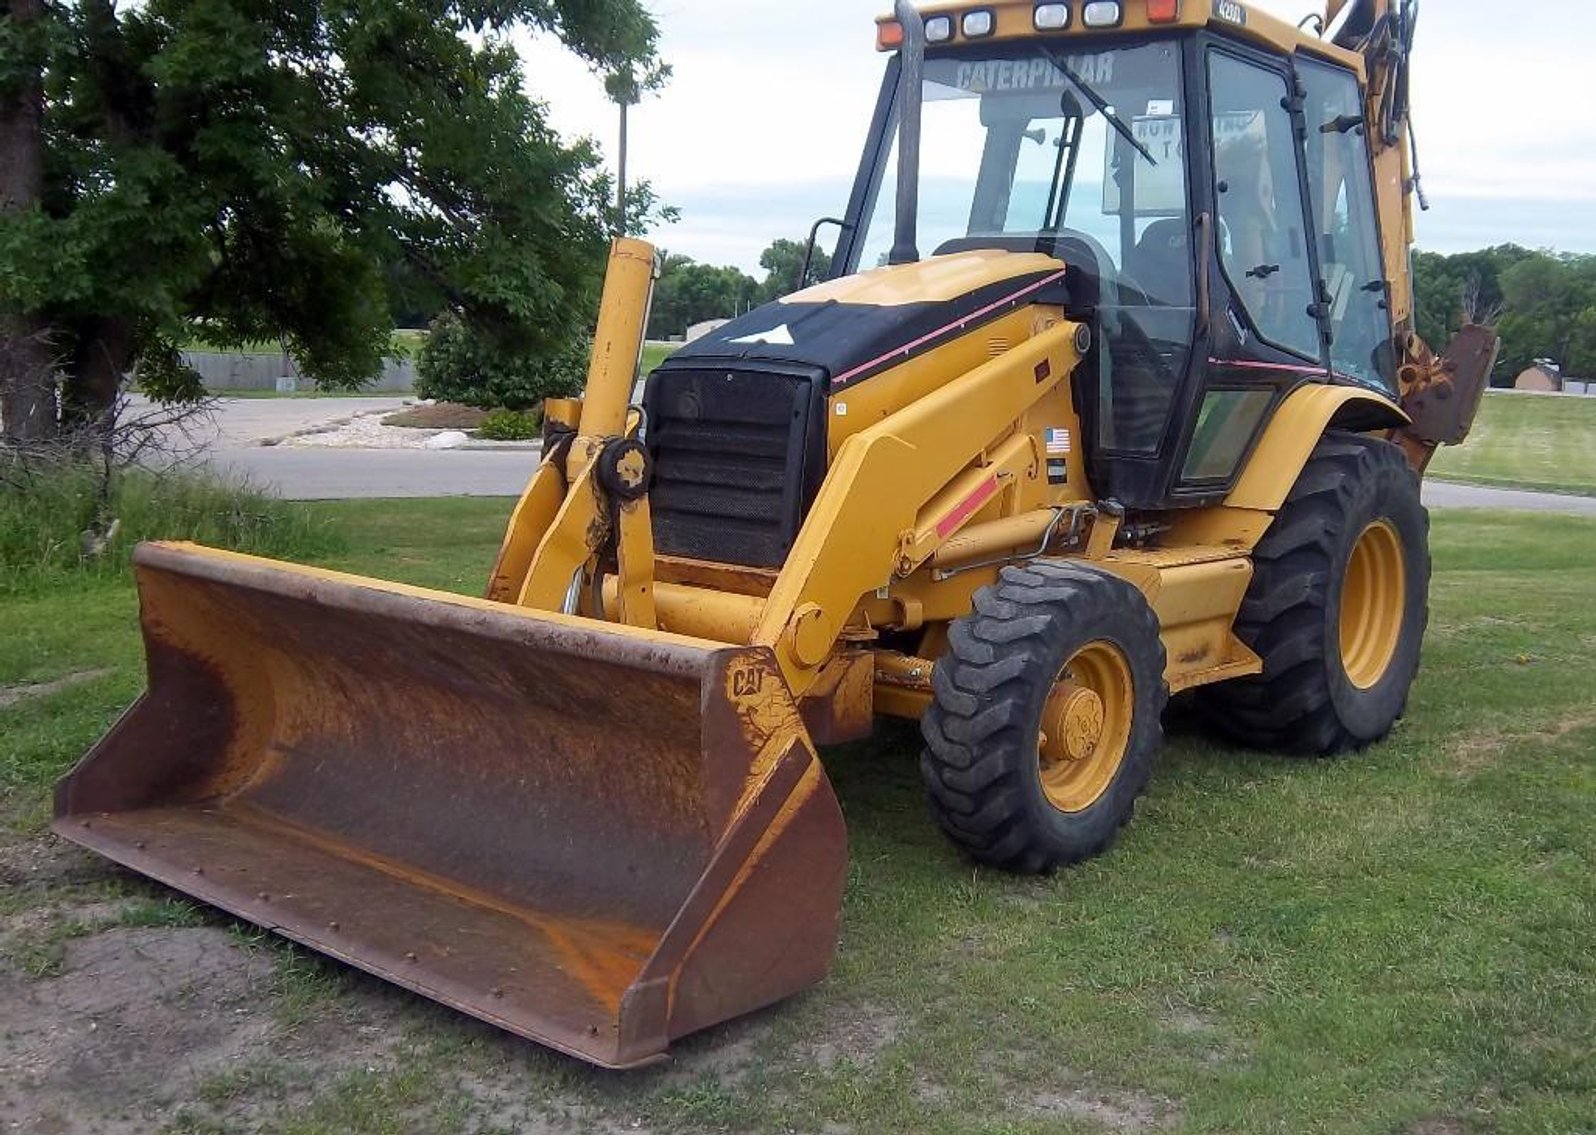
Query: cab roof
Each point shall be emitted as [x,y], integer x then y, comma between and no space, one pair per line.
[1017,19]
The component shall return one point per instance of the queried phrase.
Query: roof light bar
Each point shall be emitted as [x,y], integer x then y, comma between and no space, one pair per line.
[1050,17]
[1102,14]
[978,23]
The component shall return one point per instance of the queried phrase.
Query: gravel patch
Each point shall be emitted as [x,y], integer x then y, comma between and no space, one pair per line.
[366,430]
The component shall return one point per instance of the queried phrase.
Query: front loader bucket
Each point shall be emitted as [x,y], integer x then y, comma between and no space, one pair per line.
[598,837]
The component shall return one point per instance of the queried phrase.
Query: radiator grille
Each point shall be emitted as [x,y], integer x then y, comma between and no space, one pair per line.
[731,453]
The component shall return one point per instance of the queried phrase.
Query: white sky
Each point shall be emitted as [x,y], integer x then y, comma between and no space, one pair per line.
[759,130]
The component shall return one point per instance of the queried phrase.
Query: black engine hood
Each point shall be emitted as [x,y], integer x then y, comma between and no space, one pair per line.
[860,325]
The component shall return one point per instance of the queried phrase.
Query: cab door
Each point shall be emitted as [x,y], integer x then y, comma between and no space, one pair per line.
[1352,284]
[1267,330]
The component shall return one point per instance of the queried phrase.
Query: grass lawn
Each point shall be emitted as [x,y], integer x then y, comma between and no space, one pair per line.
[1395,943]
[656,353]
[1527,441]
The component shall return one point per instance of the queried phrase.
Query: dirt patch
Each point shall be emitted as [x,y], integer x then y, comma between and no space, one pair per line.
[1472,753]
[136,1019]
[1118,1111]
[26,691]
[1189,1022]
[44,862]
[438,416]
[725,1054]
[857,1034]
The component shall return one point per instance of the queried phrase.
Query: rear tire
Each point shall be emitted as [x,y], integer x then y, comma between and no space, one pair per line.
[1044,721]
[1337,606]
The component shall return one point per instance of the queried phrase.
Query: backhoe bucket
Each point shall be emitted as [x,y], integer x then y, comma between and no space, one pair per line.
[595,836]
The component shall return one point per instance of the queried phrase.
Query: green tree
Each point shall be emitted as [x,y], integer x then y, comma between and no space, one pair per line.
[782,260]
[1550,309]
[264,167]
[688,292]
[1442,285]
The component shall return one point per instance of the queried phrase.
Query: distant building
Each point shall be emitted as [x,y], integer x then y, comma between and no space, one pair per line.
[1544,376]
[700,329]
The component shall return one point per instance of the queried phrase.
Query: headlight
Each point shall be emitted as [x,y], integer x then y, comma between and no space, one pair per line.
[978,23]
[1101,14]
[1050,17]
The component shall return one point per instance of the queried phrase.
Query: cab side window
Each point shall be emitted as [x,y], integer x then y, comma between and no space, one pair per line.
[1263,242]
[1340,186]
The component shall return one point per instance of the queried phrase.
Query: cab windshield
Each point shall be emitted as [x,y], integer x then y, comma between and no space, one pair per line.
[1076,153]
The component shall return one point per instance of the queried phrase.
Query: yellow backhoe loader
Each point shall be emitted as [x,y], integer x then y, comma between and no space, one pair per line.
[1111,392]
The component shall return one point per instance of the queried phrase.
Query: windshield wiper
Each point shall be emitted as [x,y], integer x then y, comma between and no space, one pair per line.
[1101,104]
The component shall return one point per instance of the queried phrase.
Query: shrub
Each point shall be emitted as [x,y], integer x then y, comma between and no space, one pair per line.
[510,425]
[47,508]
[459,363]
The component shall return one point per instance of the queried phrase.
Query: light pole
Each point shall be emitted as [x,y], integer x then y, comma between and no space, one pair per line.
[622,87]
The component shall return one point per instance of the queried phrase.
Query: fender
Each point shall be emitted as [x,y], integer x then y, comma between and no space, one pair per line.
[1296,428]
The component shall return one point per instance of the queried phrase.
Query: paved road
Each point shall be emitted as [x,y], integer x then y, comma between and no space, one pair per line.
[318,474]
[314,474]
[1444,494]
[238,423]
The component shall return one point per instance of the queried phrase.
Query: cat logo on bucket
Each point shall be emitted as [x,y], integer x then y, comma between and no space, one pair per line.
[747,681]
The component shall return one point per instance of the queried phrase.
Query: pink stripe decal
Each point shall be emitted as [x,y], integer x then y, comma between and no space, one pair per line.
[1286,368]
[907,348]
[966,508]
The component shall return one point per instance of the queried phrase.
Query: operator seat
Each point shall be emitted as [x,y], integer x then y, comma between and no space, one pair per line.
[1162,256]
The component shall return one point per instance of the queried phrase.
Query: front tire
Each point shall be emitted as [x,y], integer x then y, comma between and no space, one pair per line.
[1044,721]
[1336,609]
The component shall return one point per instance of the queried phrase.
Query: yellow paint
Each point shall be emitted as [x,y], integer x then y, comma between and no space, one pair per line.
[529,522]
[699,612]
[225,559]
[1289,438]
[1195,591]
[877,398]
[617,338]
[1373,597]
[634,556]
[883,477]
[576,532]
[1086,726]
[936,279]
[1014,22]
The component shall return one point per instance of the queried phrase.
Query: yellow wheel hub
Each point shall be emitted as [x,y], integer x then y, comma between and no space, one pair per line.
[1373,598]
[1086,726]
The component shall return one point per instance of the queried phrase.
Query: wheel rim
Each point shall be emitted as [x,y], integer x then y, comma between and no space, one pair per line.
[1373,598]
[1086,726]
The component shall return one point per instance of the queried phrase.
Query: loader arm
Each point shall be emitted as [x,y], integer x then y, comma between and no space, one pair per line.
[882,510]
[591,485]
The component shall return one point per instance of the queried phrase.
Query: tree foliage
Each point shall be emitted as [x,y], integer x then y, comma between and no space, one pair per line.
[689,292]
[782,262]
[265,167]
[1544,304]
[459,364]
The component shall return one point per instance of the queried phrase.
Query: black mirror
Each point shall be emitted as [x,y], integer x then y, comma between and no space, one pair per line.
[809,248]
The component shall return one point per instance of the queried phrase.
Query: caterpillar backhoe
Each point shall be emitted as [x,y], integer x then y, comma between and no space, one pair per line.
[1112,392]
